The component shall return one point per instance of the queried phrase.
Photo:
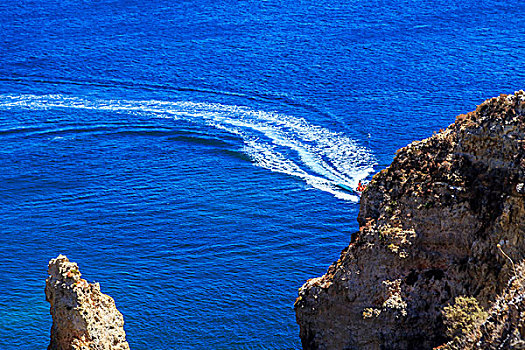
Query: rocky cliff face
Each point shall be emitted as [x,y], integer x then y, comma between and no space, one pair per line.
[430,225]
[503,327]
[83,317]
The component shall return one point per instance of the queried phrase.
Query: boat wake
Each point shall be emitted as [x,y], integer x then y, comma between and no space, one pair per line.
[278,142]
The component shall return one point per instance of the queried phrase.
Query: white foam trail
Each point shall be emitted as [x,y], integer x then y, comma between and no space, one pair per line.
[277,142]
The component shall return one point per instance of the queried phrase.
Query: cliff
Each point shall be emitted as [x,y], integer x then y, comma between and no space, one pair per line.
[429,229]
[83,317]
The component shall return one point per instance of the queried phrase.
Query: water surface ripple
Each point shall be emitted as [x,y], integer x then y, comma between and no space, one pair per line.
[185,154]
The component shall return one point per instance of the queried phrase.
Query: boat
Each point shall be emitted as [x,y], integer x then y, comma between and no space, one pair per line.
[347,188]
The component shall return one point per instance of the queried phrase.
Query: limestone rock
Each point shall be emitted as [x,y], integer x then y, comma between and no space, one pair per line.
[430,225]
[83,317]
[504,328]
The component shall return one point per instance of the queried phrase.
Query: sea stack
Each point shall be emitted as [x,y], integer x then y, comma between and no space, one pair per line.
[83,317]
[441,234]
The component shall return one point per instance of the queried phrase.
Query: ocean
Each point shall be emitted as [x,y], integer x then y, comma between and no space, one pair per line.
[187,154]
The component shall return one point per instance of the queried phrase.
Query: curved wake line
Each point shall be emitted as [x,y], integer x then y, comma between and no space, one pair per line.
[152,86]
[280,143]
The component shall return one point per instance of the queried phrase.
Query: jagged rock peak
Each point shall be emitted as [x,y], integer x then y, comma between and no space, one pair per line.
[443,221]
[83,317]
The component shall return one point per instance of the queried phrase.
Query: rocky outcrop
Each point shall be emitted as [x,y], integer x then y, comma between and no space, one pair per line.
[83,317]
[430,225]
[504,325]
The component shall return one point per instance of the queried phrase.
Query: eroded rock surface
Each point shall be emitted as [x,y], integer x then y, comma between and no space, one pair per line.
[504,326]
[430,225]
[83,317]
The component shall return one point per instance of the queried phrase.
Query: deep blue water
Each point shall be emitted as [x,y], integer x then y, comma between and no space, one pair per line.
[185,154]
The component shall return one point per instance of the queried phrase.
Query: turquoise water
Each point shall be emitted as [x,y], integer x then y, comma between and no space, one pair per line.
[186,154]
